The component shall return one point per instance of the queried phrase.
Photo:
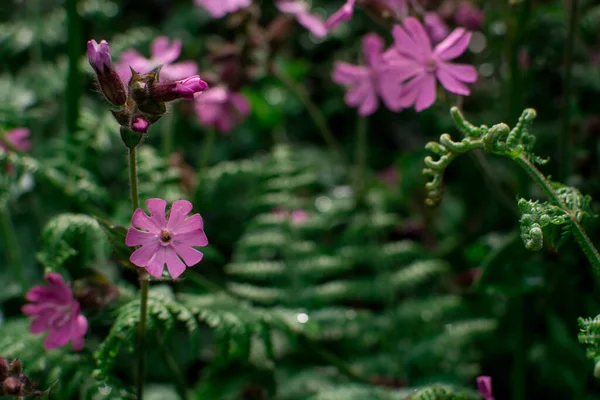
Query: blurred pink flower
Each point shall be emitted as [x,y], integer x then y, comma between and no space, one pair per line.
[162,52]
[366,83]
[341,15]
[300,10]
[421,65]
[469,15]
[399,7]
[436,27]
[18,137]
[218,8]
[55,310]
[484,386]
[221,108]
[296,216]
[164,241]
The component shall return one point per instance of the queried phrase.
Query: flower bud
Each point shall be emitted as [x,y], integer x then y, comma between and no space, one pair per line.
[182,89]
[109,81]
[130,138]
[139,124]
[3,369]
[12,386]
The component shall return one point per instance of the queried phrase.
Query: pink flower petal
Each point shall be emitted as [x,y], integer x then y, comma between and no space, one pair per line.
[163,52]
[372,47]
[39,325]
[172,72]
[58,337]
[193,223]
[157,209]
[175,266]
[404,44]
[462,72]
[141,220]
[427,93]
[190,255]
[291,6]
[411,89]
[313,23]
[194,238]
[156,265]
[19,137]
[179,210]
[453,46]
[348,74]
[137,238]
[341,15]
[142,256]
[240,104]
[364,97]
[450,83]
[419,35]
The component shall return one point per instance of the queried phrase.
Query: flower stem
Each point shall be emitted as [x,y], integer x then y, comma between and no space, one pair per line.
[167,135]
[315,113]
[144,282]
[361,156]
[74,77]
[564,146]
[207,147]
[579,233]
[11,246]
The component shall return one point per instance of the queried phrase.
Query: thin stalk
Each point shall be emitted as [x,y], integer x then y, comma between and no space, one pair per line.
[73,91]
[207,148]
[579,233]
[564,146]
[361,156]
[168,135]
[144,283]
[11,246]
[313,110]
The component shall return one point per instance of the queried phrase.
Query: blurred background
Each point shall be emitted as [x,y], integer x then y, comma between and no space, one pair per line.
[327,276]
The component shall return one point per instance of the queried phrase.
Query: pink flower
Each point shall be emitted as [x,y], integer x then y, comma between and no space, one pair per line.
[436,27]
[221,108]
[162,53]
[218,8]
[164,241]
[55,310]
[484,386]
[18,137]
[139,124]
[300,10]
[366,83]
[181,89]
[421,66]
[341,15]
[469,16]
[99,56]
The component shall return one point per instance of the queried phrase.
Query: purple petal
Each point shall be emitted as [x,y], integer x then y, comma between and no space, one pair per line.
[484,385]
[417,32]
[175,266]
[193,223]
[19,137]
[436,27]
[194,238]
[39,325]
[411,91]
[218,8]
[179,70]
[58,337]
[389,86]
[156,265]
[372,46]
[163,52]
[139,238]
[364,97]
[462,72]
[291,6]
[453,46]
[157,209]
[240,104]
[341,15]
[427,93]
[450,83]
[141,220]
[348,74]
[313,23]
[133,59]
[190,255]
[405,45]
[142,256]
[179,210]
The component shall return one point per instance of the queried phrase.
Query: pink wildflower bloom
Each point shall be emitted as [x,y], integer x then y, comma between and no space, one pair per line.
[99,56]
[421,65]
[139,124]
[366,83]
[341,15]
[218,8]
[436,27]
[162,52]
[221,108]
[55,310]
[484,386]
[18,137]
[300,10]
[164,241]
[469,16]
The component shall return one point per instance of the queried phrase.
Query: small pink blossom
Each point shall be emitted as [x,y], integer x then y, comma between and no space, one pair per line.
[182,89]
[166,240]
[366,83]
[420,65]
[484,386]
[99,56]
[469,15]
[436,27]
[218,8]
[221,108]
[55,310]
[18,137]
[162,52]
[300,10]
[341,15]
[139,124]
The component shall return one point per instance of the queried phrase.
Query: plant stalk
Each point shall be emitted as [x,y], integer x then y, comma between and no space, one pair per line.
[11,246]
[168,135]
[73,91]
[361,156]
[207,147]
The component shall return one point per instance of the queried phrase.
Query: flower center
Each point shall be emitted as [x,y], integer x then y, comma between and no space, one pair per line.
[165,236]
[431,65]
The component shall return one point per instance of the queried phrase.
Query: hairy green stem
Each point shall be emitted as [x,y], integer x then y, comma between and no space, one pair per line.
[361,156]
[73,91]
[564,145]
[579,233]
[313,110]
[144,283]
[11,246]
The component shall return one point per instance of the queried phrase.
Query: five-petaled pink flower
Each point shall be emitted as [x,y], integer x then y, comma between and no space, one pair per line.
[341,15]
[18,137]
[484,386]
[421,65]
[55,310]
[221,108]
[164,240]
[366,83]
[218,8]
[300,10]
[163,53]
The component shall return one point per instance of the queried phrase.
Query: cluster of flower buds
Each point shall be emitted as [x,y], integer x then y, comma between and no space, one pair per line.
[142,100]
[12,380]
